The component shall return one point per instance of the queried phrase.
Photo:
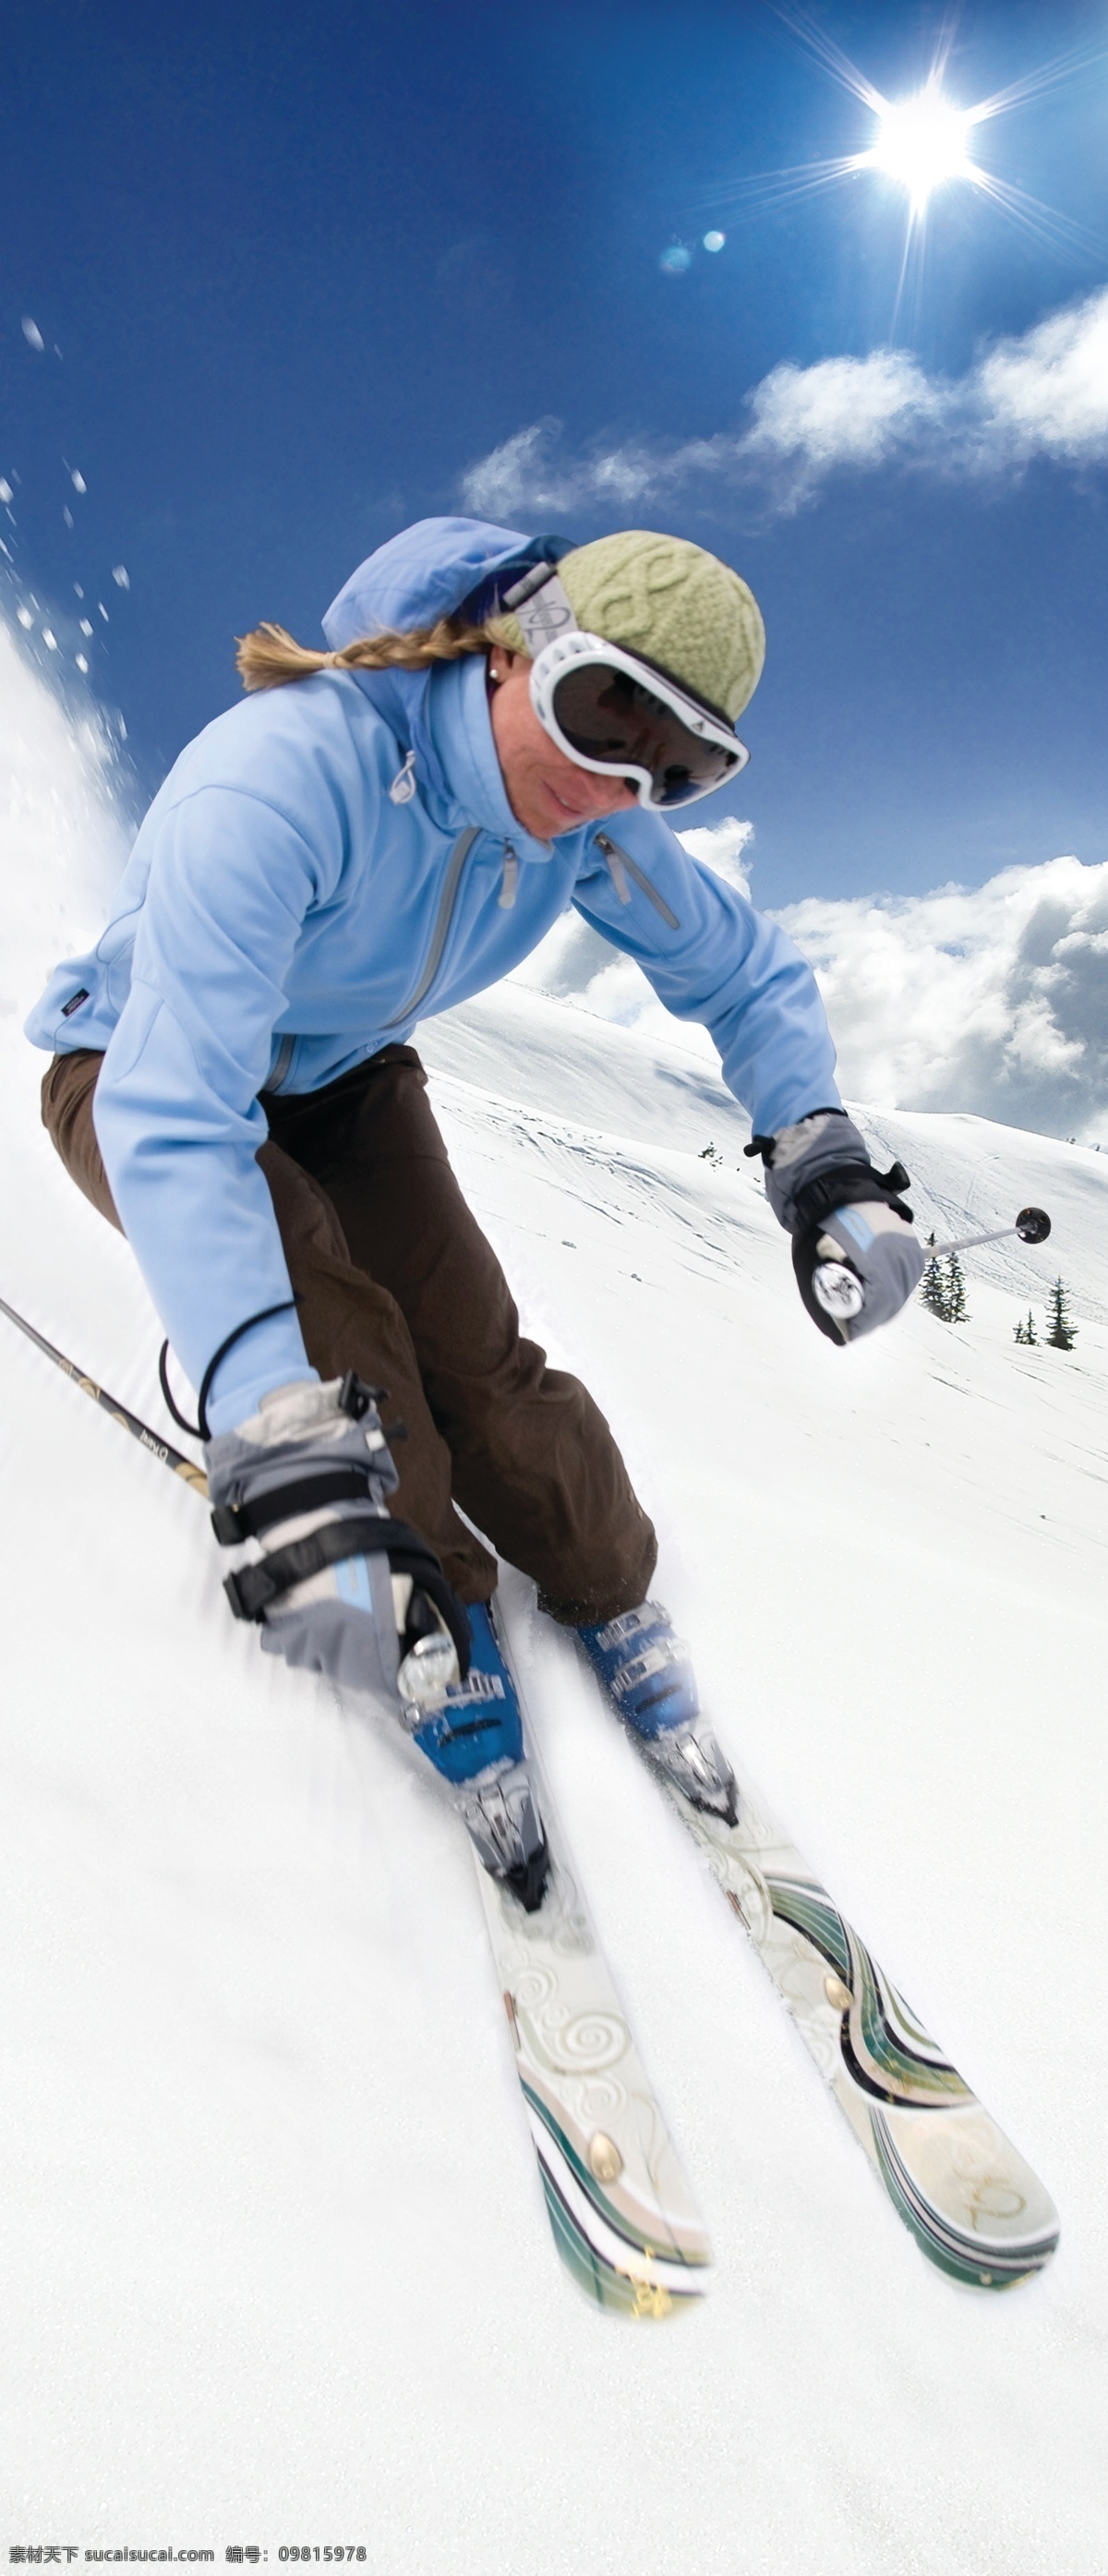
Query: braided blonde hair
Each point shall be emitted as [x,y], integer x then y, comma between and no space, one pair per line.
[269,655]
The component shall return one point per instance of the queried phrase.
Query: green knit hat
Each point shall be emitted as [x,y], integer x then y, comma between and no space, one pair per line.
[671,601]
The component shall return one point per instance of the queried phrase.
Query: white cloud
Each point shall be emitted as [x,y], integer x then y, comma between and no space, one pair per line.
[1041,395]
[1047,394]
[722,846]
[525,474]
[992,1000]
[843,411]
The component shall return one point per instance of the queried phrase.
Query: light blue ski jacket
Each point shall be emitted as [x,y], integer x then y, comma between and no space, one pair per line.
[281,918]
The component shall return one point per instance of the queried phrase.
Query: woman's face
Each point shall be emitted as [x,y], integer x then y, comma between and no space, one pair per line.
[546,790]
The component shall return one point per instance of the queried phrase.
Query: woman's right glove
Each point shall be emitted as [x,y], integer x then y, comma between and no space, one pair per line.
[339,1587]
[854,1253]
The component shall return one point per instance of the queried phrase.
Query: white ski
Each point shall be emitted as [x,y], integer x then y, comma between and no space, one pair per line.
[965,2192]
[624,2219]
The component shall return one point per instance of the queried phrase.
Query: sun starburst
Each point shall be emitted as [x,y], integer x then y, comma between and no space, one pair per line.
[924,143]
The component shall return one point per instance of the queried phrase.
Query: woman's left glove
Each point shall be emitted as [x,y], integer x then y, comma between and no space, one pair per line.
[856,1258]
[340,1587]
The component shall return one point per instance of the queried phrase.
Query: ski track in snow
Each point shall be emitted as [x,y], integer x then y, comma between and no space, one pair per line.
[275,2261]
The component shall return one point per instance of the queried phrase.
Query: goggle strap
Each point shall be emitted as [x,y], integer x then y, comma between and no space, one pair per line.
[541,607]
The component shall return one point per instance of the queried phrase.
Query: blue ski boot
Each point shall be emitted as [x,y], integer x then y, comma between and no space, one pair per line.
[646,1674]
[472,1733]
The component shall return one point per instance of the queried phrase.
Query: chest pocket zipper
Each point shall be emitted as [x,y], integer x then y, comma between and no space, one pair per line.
[621,865]
[510,879]
[447,901]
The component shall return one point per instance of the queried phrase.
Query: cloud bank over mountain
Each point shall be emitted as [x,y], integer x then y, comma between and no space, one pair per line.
[992,999]
[1042,395]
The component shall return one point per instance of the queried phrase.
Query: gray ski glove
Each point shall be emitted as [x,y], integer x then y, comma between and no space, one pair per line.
[339,1587]
[854,1253]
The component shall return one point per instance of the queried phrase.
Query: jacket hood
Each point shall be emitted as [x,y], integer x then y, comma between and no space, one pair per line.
[427,572]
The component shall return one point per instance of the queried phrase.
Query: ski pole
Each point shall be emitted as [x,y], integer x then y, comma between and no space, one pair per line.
[132,1422]
[1032,1226]
[840,1291]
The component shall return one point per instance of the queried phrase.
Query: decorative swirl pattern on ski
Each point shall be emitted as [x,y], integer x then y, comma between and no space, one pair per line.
[624,2220]
[960,2186]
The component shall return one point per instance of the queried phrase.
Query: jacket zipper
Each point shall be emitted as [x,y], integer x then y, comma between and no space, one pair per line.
[285,1053]
[621,865]
[447,902]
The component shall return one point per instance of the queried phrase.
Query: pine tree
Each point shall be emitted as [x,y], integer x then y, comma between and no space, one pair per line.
[1026,1333]
[944,1289]
[1061,1330]
[933,1291]
[956,1307]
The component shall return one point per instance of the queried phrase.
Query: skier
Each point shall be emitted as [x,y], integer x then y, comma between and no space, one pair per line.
[378,831]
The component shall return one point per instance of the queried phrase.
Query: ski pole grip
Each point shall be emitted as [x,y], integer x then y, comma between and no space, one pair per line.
[839,1290]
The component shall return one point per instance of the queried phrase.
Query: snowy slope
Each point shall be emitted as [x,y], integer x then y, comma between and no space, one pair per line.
[256,2288]
[964,1169]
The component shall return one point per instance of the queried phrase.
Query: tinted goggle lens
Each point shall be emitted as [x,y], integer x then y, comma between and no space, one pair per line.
[607,716]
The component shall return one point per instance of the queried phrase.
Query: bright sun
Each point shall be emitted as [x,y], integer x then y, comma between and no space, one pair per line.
[922,141]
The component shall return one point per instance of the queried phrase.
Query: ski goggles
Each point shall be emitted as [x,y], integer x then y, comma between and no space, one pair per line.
[613,711]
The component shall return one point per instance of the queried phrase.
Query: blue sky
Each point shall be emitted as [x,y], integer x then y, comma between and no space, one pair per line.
[310,271]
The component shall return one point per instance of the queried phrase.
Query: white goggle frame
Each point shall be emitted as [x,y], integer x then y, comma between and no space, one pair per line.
[556,643]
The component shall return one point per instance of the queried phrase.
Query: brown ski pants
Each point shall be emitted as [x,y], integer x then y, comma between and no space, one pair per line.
[396,1280]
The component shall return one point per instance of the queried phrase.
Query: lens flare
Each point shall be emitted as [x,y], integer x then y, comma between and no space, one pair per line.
[922,142]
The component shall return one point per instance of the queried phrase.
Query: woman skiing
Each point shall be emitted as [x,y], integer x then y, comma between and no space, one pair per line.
[376,832]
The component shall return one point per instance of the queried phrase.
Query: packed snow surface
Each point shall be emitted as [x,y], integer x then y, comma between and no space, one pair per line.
[276,2268]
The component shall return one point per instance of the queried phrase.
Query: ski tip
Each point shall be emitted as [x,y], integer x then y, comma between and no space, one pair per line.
[653,2291]
[602,2244]
[977,2212]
